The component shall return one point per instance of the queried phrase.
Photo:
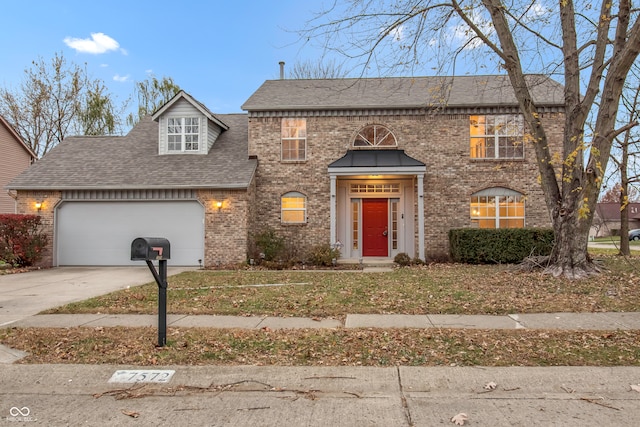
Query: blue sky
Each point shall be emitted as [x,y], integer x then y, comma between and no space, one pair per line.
[218,51]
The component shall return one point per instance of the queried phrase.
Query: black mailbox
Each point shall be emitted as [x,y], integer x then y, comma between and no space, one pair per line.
[150,248]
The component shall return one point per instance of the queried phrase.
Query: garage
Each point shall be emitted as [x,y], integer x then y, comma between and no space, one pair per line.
[101,232]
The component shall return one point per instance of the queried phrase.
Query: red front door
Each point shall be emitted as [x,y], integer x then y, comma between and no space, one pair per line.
[375,222]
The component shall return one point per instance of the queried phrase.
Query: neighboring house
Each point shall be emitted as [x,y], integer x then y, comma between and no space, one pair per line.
[15,157]
[606,221]
[372,166]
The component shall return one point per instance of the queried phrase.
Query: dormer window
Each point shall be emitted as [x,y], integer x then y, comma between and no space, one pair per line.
[183,134]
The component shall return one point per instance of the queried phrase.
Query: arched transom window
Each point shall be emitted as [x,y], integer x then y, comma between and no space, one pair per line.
[375,136]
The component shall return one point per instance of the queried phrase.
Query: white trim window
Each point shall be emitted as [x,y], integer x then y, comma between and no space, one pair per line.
[375,136]
[293,208]
[497,208]
[294,139]
[183,134]
[497,136]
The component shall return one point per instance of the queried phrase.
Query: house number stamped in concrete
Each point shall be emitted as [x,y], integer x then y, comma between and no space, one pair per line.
[142,376]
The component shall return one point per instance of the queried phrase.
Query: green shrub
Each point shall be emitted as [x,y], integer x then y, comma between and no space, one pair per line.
[402,259]
[507,245]
[21,239]
[269,245]
[322,255]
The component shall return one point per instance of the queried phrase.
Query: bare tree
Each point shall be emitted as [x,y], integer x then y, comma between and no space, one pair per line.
[152,94]
[591,46]
[625,154]
[45,108]
[317,70]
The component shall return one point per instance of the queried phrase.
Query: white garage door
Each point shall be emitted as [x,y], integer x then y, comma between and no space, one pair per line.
[100,233]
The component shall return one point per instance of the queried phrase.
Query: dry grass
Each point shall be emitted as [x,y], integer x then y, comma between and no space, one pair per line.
[433,289]
[327,347]
[440,288]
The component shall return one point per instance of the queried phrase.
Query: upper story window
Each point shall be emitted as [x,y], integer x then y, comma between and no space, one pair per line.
[293,207]
[183,134]
[294,139]
[497,136]
[497,207]
[375,136]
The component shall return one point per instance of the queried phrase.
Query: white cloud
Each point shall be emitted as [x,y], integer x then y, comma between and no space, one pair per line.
[466,36]
[538,10]
[120,78]
[98,43]
[396,33]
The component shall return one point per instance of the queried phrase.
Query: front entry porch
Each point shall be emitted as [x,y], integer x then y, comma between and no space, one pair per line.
[374,195]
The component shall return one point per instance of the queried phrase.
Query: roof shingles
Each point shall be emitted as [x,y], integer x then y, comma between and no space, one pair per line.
[398,92]
[132,162]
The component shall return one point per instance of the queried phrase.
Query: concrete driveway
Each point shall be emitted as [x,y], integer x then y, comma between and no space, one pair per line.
[26,294]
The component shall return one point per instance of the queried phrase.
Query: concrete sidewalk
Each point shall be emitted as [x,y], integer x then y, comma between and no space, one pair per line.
[63,395]
[565,321]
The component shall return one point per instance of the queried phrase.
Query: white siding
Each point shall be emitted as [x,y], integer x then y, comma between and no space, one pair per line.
[183,108]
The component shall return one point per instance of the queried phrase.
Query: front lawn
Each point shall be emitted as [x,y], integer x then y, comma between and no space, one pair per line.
[433,289]
[439,288]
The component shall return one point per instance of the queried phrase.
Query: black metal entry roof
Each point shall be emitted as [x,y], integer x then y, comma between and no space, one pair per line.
[376,158]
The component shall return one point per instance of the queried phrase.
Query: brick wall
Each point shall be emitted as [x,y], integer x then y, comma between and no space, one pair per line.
[441,141]
[26,205]
[227,227]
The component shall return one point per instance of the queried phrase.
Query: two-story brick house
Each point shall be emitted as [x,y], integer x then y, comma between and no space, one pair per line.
[373,166]
[390,165]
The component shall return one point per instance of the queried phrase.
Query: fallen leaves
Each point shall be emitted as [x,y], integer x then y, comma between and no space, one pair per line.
[490,386]
[436,288]
[326,347]
[459,419]
[131,414]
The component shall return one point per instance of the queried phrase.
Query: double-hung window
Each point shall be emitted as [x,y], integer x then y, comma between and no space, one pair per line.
[294,139]
[497,208]
[183,134]
[497,136]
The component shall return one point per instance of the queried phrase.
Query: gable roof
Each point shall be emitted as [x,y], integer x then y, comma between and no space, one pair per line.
[399,92]
[132,162]
[18,138]
[199,106]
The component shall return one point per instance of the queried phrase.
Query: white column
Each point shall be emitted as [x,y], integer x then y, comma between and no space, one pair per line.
[421,217]
[332,210]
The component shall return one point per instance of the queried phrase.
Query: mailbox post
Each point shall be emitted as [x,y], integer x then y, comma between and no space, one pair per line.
[149,249]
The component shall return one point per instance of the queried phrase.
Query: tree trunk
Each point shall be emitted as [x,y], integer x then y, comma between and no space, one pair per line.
[570,257]
[624,201]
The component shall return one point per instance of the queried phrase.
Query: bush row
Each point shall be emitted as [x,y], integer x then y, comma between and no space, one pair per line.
[21,239]
[506,245]
[272,250]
